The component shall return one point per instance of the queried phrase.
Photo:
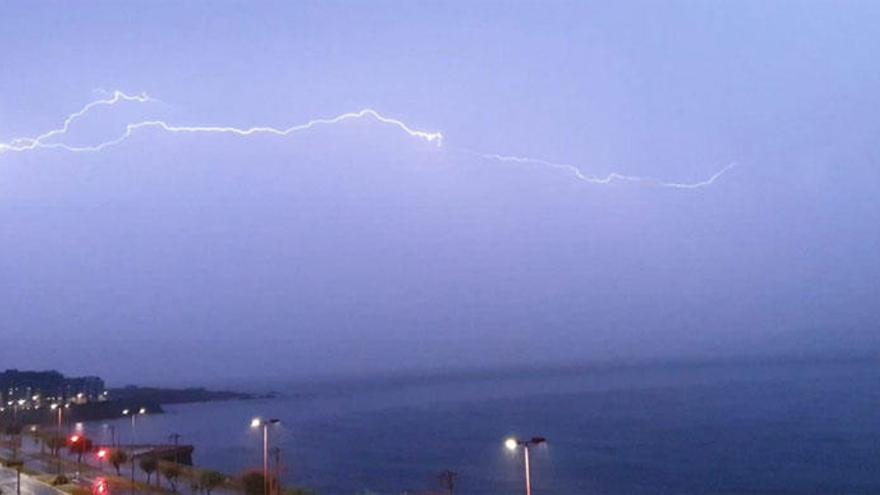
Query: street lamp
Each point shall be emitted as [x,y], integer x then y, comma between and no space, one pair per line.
[56,407]
[264,424]
[513,443]
[112,429]
[134,414]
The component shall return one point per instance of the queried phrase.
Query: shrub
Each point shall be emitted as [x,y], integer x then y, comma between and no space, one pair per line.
[210,480]
[60,480]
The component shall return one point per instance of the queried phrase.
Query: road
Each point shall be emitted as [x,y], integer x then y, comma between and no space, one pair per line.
[29,486]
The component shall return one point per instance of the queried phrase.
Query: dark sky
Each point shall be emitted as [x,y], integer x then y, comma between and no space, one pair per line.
[356,247]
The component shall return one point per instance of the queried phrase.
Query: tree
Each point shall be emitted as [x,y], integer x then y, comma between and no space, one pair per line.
[55,442]
[118,458]
[171,472]
[148,465]
[210,480]
[14,433]
[12,430]
[80,446]
[254,483]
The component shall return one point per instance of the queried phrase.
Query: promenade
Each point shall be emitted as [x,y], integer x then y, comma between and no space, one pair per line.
[40,468]
[29,484]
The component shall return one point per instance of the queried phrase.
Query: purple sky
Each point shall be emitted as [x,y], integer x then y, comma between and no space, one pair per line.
[355,247]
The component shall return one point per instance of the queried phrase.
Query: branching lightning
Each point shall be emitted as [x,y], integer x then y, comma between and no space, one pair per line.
[51,140]
[42,141]
[28,143]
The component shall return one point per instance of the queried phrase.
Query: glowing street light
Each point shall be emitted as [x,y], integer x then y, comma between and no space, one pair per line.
[512,443]
[264,424]
[56,407]
[128,412]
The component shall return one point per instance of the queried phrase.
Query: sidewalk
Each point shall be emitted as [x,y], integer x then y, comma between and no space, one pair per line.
[29,484]
[90,470]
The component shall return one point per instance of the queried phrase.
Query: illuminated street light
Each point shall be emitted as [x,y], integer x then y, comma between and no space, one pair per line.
[264,424]
[128,412]
[56,407]
[512,443]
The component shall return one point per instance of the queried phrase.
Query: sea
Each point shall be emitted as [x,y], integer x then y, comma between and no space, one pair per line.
[796,426]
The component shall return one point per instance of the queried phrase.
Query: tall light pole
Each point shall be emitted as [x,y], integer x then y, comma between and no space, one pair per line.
[130,412]
[133,414]
[175,437]
[264,424]
[513,443]
[112,429]
[57,407]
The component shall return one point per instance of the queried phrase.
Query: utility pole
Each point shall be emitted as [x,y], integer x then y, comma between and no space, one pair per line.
[175,437]
[131,459]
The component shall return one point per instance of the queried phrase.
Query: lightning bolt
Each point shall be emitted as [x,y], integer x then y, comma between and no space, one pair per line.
[41,141]
[49,140]
[31,143]
[608,179]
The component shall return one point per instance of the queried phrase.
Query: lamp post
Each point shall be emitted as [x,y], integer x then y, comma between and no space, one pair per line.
[112,429]
[134,414]
[264,424]
[175,437]
[513,443]
[57,407]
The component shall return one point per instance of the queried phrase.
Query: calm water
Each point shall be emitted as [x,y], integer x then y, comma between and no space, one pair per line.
[761,428]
